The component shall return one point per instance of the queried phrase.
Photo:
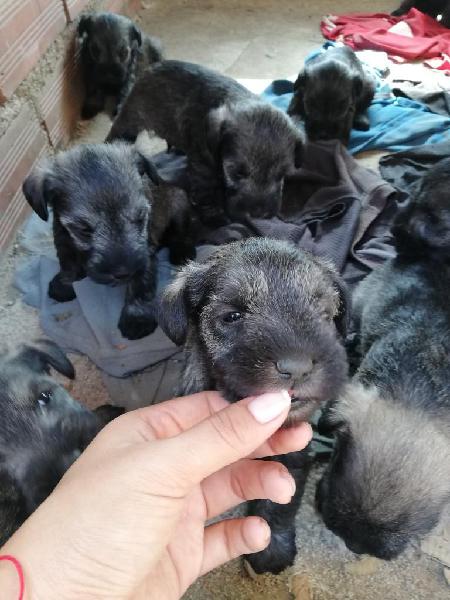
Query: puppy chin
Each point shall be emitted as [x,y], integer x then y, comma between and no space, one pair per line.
[302,409]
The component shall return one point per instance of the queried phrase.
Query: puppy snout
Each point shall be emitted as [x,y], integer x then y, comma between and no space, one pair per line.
[295,369]
[122,274]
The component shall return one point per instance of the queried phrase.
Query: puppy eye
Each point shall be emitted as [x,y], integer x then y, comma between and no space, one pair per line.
[94,49]
[123,54]
[232,317]
[139,219]
[44,398]
[83,231]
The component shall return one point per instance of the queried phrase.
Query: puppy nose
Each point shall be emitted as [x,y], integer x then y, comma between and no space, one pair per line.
[295,369]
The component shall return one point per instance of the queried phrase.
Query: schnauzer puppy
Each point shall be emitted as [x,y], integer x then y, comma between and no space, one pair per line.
[259,316]
[422,227]
[42,430]
[113,53]
[389,478]
[239,148]
[332,95]
[429,7]
[110,213]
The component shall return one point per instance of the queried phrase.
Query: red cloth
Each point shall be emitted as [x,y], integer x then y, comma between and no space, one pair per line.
[370,31]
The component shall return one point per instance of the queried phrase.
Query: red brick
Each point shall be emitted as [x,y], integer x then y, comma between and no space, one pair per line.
[20,147]
[27,27]
[59,101]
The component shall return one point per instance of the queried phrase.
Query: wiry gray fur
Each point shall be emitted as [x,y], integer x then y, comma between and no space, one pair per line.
[258,316]
[239,148]
[389,479]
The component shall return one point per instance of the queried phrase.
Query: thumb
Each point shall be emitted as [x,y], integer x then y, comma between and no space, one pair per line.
[229,434]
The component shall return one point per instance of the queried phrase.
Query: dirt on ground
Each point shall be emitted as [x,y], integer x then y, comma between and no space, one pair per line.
[252,39]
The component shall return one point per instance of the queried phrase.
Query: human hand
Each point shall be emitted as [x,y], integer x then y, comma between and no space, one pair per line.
[127,521]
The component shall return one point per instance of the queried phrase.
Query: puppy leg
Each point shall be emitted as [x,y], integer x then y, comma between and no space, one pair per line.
[281,551]
[61,286]
[180,235]
[404,7]
[128,124]
[93,103]
[207,193]
[138,317]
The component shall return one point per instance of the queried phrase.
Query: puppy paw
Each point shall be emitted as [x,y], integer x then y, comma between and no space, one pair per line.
[60,289]
[179,255]
[137,321]
[278,555]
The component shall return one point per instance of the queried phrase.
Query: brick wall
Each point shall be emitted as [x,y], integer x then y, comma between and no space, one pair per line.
[39,92]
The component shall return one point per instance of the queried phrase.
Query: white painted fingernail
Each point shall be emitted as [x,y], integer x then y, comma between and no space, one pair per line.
[267,407]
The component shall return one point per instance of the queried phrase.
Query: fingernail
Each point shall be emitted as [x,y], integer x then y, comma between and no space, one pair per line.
[286,475]
[267,407]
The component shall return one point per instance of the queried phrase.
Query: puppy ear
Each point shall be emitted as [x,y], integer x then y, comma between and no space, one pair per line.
[45,354]
[300,82]
[180,299]
[136,35]
[146,167]
[84,27]
[342,319]
[36,190]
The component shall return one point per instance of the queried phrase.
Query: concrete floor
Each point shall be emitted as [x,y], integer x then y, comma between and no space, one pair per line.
[248,39]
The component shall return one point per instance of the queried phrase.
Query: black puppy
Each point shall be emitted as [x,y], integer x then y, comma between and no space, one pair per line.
[42,429]
[429,7]
[113,53]
[110,213]
[422,227]
[259,316]
[239,148]
[389,479]
[332,94]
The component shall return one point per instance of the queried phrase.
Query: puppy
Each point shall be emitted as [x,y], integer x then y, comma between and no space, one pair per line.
[42,429]
[259,316]
[113,52]
[389,478]
[422,227]
[332,95]
[429,7]
[239,148]
[110,213]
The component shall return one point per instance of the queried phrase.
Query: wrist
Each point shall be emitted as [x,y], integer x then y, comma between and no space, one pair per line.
[9,579]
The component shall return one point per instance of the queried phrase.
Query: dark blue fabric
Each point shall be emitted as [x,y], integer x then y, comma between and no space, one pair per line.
[396,124]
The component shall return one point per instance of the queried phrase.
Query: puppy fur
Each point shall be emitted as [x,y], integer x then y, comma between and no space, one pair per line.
[429,7]
[422,227]
[259,316]
[113,53]
[110,213]
[42,430]
[239,148]
[332,95]
[389,479]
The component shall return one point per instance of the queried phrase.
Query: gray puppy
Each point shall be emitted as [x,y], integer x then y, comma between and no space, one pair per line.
[389,478]
[113,53]
[239,148]
[259,316]
[332,94]
[42,429]
[110,213]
